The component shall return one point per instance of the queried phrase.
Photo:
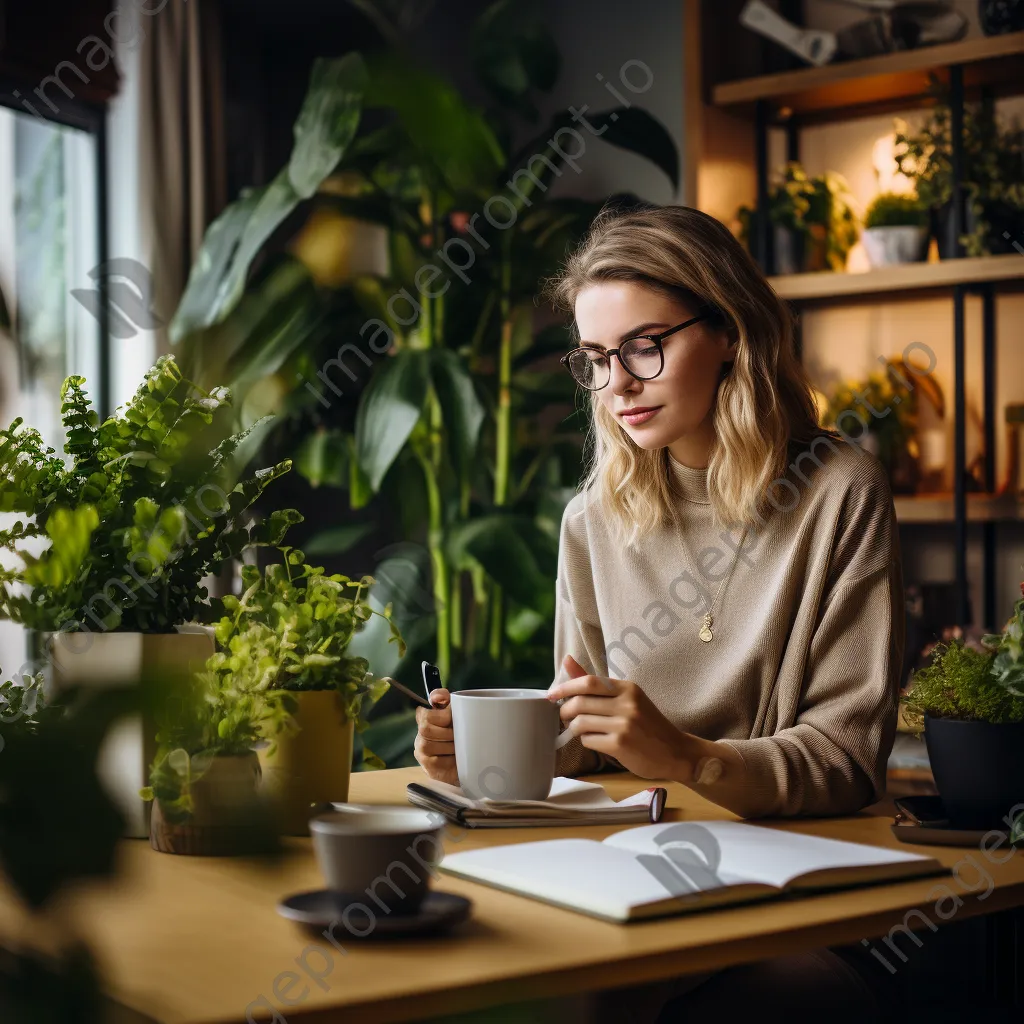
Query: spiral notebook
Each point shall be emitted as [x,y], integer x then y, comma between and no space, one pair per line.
[570,802]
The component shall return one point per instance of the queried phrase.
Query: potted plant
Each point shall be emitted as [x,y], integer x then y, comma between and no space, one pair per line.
[292,625]
[813,221]
[146,505]
[992,200]
[204,779]
[895,230]
[970,705]
[890,431]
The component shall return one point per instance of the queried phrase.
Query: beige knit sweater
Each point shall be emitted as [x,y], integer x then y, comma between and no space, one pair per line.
[802,676]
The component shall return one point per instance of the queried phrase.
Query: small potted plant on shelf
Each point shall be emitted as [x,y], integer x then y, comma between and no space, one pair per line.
[895,230]
[969,703]
[881,413]
[992,199]
[814,225]
[296,623]
[147,503]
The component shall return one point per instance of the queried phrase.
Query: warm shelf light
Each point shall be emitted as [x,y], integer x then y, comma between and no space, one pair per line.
[883,159]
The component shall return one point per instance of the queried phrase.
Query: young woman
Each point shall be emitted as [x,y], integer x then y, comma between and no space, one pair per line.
[729,595]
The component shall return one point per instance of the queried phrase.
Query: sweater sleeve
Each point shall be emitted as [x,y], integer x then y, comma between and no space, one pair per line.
[833,759]
[582,638]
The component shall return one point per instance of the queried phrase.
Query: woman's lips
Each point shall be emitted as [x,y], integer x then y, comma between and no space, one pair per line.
[634,417]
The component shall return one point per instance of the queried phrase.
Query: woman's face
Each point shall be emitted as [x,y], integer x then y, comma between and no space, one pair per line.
[674,409]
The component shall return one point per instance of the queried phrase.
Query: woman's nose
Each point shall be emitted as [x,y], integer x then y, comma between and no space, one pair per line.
[621,382]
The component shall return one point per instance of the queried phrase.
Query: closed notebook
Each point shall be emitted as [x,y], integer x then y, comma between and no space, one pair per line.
[679,867]
[570,802]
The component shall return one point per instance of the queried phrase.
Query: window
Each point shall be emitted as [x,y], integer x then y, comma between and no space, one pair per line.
[50,239]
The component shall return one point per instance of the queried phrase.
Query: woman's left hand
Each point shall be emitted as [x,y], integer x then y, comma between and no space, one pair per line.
[615,717]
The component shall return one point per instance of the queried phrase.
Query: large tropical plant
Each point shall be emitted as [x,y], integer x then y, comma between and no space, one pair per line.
[425,390]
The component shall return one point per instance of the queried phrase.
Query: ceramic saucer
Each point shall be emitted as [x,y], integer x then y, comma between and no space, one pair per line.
[323,908]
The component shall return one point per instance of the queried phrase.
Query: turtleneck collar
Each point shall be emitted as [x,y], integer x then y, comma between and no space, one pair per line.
[692,484]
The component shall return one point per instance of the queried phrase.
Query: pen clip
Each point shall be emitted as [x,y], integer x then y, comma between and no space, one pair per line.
[431,679]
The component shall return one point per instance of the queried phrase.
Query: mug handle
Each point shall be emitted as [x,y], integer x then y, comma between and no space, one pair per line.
[566,734]
[563,737]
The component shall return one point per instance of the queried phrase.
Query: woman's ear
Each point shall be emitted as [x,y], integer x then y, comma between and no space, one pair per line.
[732,337]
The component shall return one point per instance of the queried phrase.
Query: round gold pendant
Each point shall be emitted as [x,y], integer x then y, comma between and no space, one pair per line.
[705,634]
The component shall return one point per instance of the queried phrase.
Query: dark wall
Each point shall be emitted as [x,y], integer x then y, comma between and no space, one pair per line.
[35,38]
[269,47]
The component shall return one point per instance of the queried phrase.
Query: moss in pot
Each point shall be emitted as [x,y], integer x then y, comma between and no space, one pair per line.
[970,705]
[895,230]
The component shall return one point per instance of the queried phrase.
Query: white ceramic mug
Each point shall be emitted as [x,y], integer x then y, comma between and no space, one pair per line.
[506,742]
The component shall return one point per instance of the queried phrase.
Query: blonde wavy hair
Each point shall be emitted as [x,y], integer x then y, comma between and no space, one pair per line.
[764,402]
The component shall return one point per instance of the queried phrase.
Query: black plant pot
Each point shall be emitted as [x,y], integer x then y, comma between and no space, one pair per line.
[788,248]
[1005,226]
[978,769]
[941,227]
[999,16]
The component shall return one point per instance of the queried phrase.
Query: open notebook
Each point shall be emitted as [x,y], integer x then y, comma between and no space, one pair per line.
[570,802]
[683,866]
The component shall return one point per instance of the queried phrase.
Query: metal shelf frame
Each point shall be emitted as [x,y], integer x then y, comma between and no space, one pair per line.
[764,118]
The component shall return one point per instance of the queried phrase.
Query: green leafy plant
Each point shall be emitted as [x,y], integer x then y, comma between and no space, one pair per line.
[290,630]
[212,714]
[820,207]
[993,169]
[23,705]
[447,402]
[895,426]
[1008,647]
[958,683]
[147,503]
[892,209]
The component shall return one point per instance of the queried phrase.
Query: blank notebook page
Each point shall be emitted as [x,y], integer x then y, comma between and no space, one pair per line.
[754,853]
[606,878]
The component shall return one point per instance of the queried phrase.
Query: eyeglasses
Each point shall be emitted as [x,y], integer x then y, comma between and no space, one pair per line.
[642,357]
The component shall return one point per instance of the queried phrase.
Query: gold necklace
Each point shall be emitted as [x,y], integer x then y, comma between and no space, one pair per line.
[705,632]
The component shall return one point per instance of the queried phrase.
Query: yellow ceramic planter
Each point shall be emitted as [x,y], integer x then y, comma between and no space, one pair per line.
[312,765]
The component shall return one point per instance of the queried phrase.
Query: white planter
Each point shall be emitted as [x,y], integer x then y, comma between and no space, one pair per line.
[107,660]
[886,247]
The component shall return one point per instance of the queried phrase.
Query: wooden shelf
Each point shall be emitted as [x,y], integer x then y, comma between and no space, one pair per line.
[906,277]
[938,508]
[889,82]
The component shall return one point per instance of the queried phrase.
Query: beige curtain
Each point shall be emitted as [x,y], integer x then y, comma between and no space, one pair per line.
[8,367]
[181,140]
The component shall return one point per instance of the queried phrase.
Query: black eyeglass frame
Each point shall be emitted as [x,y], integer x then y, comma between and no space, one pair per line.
[656,338]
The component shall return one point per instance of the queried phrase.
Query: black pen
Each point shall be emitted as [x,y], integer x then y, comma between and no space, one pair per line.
[411,694]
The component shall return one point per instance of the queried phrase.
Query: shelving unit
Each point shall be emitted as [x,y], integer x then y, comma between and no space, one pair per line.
[940,508]
[911,279]
[894,81]
[732,121]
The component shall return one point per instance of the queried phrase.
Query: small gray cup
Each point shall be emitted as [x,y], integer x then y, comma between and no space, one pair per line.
[382,858]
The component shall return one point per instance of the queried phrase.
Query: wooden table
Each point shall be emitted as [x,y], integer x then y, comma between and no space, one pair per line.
[185,940]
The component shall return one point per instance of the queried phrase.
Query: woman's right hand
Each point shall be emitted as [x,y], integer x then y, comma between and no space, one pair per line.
[435,739]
